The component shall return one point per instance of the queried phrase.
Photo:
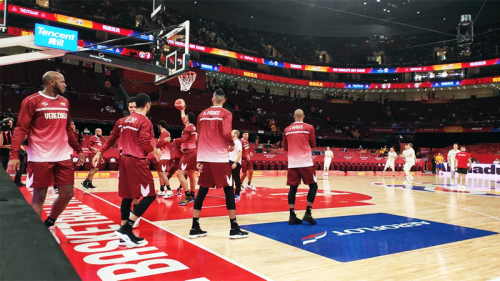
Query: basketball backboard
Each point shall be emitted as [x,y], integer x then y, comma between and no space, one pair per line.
[3,15]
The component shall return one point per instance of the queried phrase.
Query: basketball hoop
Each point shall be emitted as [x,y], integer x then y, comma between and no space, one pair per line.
[186,80]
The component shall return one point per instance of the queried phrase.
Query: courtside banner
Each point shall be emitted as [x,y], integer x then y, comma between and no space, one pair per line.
[55,37]
[479,170]
[221,52]
[358,237]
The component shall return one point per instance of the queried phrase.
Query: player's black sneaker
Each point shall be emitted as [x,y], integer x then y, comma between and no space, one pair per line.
[196,232]
[179,191]
[87,184]
[308,218]
[129,238]
[294,220]
[237,233]
[186,200]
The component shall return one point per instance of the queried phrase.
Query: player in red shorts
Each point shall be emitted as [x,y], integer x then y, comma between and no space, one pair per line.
[247,165]
[94,144]
[44,117]
[299,139]
[214,126]
[164,145]
[462,158]
[137,141]
[187,164]
[174,164]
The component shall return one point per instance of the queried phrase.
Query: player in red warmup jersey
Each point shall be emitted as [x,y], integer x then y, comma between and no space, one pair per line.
[94,143]
[214,127]
[299,139]
[44,117]
[164,145]
[247,164]
[187,164]
[113,138]
[137,141]
[462,158]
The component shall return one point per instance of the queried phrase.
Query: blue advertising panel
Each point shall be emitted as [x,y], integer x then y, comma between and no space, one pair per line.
[55,37]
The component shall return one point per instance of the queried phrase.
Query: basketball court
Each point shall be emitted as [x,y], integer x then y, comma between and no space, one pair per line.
[369,227]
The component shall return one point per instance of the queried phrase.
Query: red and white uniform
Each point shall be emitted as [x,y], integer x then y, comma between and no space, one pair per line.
[137,141]
[175,158]
[214,127]
[114,136]
[188,147]
[46,122]
[95,142]
[246,162]
[462,158]
[299,139]
[164,147]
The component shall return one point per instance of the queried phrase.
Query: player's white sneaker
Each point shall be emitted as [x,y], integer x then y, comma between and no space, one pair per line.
[136,223]
[161,193]
[168,194]
[325,174]
[251,187]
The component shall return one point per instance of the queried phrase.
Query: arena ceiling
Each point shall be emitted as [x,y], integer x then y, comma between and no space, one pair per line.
[308,16]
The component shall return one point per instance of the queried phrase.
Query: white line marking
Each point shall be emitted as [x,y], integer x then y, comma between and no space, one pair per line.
[186,240]
[493,217]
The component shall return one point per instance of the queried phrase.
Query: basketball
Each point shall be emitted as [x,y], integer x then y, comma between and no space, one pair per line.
[180,104]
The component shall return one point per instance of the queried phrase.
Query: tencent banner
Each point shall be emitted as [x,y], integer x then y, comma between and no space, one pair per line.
[55,37]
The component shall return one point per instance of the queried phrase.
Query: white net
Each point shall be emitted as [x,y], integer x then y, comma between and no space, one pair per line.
[186,80]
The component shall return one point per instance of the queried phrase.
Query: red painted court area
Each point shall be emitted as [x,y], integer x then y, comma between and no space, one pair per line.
[264,200]
[85,231]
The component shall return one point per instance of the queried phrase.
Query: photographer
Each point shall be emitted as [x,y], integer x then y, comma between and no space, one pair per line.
[5,140]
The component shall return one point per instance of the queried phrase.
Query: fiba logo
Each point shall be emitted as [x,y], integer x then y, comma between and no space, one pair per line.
[14,9]
[142,55]
[386,70]
[43,15]
[79,21]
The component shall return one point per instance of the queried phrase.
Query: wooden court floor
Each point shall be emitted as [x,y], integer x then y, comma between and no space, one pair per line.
[367,221]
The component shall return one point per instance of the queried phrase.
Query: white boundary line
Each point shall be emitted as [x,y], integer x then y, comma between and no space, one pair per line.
[469,210]
[199,246]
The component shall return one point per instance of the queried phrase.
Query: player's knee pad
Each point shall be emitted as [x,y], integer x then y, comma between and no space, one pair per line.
[200,197]
[313,188]
[125,208]
[230,203]
[291,194]
[143,205]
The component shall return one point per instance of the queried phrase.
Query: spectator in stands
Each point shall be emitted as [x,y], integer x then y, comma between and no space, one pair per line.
[344,149]
[356,135]
[86,132]
[497,161]
[236,108]
[107,85]
[5,141]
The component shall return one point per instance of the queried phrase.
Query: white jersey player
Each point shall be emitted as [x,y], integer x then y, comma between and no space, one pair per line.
[451,158]
[391,160]
[410,159]
[328,161]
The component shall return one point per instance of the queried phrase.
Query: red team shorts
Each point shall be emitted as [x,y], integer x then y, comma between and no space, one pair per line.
[216,175]
[163,166]
[45,174]
[188,160]
[174,166]
[246,165]
[135,178]
[306,174]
